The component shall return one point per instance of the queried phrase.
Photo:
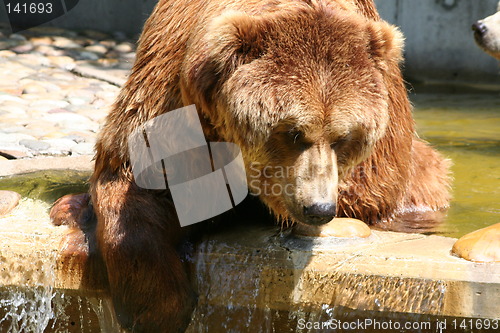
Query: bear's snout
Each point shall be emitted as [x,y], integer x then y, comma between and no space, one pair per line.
[479,29]
[320,213]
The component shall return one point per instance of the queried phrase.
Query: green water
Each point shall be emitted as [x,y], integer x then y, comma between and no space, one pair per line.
[47,185]
[465,127]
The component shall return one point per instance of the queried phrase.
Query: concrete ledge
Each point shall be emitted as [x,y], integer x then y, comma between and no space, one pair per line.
[387,272]
[76,163]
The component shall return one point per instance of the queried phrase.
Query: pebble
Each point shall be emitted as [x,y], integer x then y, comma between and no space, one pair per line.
[62,62]
[124,47]
[35,145]
[66,43]
[45,108]
[95,34]
[44,40]
[34,88]
[23,48]
[17,37]
[97,48]
[6,54]
[48,50]
[87,55]
[8,201]
[84,148]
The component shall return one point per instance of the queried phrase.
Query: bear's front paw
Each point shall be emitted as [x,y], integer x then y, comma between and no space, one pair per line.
[71,210]
[338,227]
[482,245]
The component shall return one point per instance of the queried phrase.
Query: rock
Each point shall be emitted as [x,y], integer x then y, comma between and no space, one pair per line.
[18,37]
[86,55]
[49,50]
[124,47]
[76,138]
[43,40]
[47,105]
[10,98]
[60,146]
[108,43]
[338,227]
[129,56]
[62,62]
[32,59]
[39,128]
[65,43]
[85,148]
[482,245]
[78,101]
[22,48]
[82,136]
[13,108]
[97,48]
[71,121]
[95,34]
[8,201]
[6,54]
[14,138]
[34,88]
[53,135]
[108,62]
[35,145]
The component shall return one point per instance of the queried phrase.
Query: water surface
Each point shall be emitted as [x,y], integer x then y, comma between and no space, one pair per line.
[465,127]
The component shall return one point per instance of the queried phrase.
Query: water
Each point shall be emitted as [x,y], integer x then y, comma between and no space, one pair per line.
[465,127]
[269,282]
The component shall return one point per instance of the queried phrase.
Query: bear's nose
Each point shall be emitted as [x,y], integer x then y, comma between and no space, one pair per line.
[480,28]
[320,213]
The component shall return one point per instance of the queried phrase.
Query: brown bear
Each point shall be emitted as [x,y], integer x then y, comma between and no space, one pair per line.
[487,34]
[313,86]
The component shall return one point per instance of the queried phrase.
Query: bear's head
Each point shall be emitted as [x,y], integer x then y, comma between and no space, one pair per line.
[487,34]
[302,92]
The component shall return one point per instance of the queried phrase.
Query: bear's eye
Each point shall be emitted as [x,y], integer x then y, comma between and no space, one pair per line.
[338,143]
[297,138]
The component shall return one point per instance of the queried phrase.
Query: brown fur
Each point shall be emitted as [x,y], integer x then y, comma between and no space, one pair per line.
[312,85]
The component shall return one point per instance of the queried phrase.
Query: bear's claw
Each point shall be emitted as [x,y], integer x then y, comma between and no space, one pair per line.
[338,227]
[482,245]
[71,210]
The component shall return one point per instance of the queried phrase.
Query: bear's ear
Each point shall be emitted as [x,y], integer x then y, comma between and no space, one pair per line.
[235,38]
[385,44]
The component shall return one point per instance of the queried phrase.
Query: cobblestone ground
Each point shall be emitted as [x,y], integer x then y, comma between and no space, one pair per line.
[56,88]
